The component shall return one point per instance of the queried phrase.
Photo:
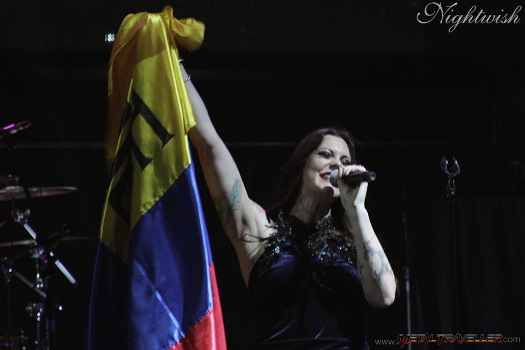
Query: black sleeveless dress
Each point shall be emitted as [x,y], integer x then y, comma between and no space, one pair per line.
[305,290]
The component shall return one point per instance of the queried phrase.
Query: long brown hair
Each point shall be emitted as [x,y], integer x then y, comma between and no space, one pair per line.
[291,173]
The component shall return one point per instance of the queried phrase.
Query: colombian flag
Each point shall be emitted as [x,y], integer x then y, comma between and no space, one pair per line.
[154,285]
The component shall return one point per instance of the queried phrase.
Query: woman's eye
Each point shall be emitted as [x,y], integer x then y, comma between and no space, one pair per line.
[346,161]
[325,154]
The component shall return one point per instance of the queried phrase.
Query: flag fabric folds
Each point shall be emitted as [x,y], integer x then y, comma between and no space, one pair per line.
[154,284]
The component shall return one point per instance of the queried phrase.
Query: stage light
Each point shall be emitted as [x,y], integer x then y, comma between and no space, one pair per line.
[109,37]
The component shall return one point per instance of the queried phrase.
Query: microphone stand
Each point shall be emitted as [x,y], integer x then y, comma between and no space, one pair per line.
[406,278]
[406,268]
[452,170]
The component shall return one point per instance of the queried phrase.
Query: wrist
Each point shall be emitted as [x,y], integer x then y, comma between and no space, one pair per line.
[185,76]
[355,210]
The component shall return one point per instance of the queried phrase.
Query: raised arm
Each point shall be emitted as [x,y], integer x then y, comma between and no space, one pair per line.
[379,284]
[242,219]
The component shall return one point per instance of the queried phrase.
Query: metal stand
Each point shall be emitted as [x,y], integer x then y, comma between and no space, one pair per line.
[43,312]
[452,170]
[8,273]
[406,270]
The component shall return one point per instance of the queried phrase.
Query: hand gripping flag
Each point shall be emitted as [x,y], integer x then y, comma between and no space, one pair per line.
[154,284]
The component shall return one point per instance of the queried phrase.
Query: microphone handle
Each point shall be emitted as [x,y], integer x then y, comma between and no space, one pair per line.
[354,178]
[357,178]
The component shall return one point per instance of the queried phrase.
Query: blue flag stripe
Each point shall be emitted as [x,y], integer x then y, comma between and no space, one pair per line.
[170,267]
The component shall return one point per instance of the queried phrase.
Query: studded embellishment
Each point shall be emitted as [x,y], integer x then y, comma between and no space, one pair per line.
[319,242]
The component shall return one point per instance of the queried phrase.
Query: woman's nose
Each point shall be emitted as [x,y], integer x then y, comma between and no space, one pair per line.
[335,164]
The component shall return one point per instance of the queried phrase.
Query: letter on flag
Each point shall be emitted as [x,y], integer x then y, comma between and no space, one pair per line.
[154,284]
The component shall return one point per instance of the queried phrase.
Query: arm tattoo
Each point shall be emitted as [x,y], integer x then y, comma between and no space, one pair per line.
[235,196]
[385,266]
[225,207]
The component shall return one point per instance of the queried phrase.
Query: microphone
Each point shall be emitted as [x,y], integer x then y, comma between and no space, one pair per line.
[354,178]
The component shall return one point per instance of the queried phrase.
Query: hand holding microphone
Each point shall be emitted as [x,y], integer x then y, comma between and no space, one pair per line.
[353,178]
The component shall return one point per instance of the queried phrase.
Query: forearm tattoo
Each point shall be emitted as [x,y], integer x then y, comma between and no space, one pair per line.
[385,266]
[226,206]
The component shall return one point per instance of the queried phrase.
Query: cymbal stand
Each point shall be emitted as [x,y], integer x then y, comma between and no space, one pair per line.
[8,273]
[21,218]
[38,310]
[42,312]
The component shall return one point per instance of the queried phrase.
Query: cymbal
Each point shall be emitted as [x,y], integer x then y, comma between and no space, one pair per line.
[17,192]
[32,242]
[17,243]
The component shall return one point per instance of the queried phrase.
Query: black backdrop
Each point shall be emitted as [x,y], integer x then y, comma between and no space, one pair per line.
[269,73]
[486,296]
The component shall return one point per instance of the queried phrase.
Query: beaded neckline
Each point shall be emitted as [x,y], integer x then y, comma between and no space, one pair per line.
[318,241]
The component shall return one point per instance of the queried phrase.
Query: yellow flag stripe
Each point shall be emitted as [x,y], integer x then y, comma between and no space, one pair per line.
[151,112]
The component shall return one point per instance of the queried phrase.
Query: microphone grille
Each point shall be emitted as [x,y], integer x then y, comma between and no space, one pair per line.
[333,177]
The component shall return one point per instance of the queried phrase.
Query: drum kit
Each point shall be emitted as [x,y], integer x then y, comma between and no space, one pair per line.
[32,248]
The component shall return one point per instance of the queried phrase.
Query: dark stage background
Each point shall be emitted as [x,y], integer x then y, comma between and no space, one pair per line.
[270,71]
